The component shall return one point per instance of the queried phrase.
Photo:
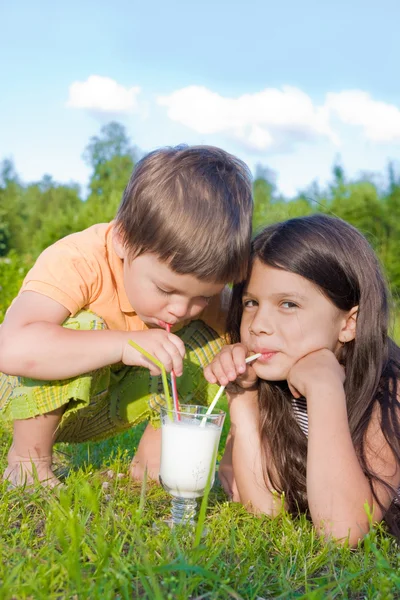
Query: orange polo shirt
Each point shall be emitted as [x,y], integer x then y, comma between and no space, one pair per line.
[82,271]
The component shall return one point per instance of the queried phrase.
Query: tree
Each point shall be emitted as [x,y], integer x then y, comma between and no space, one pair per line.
[264,188]
[113,141]
[12,209]
[111,157]
[392,213]
[53,211]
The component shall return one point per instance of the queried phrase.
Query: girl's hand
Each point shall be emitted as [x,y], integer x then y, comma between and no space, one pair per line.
[166,347]
[315,370]
[229,365]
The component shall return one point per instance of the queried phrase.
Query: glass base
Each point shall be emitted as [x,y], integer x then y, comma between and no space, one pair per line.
[183,511]
[183,517]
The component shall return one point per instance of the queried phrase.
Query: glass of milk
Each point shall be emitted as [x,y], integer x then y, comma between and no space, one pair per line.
[189,444]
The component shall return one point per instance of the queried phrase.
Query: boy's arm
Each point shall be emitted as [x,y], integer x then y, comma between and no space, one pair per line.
[34,344]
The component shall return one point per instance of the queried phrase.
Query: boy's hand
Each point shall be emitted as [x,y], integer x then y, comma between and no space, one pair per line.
[229,365]
[166,347]
[319,368]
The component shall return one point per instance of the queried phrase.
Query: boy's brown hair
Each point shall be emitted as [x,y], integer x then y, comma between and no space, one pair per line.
[192,207]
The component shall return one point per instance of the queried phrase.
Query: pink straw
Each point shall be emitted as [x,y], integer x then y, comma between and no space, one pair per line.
[173,382]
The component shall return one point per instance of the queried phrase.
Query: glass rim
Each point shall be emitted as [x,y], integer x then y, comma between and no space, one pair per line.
[215,413]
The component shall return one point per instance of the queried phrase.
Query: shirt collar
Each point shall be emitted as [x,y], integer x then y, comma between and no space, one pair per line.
[117,270]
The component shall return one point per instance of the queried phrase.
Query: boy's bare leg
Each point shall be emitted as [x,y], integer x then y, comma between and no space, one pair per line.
[31,452]
[148,454]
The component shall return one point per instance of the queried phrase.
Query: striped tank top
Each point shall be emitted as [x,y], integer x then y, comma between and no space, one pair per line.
[300,412]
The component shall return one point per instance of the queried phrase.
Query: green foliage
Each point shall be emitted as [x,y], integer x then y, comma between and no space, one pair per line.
[12,209]
[35,215]
[12,271]
[374,211]
[264,194]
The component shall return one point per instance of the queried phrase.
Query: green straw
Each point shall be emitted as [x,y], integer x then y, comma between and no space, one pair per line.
[159,364]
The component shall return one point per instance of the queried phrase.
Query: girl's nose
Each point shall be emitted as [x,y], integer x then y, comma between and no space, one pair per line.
[261,324]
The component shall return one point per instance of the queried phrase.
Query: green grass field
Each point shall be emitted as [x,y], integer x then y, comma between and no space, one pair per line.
[102,536]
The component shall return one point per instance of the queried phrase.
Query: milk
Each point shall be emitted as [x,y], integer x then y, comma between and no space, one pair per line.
[187,451]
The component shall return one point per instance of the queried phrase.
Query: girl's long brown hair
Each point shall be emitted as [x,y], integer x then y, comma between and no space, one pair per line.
[338,259]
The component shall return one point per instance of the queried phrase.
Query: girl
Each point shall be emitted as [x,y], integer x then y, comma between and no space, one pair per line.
[316,417]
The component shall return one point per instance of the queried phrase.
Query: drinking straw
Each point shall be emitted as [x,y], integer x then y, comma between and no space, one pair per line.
[173,383]
[222,388]
[159,364]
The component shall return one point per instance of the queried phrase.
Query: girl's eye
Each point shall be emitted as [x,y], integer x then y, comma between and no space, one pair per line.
[289,305]
[249,303]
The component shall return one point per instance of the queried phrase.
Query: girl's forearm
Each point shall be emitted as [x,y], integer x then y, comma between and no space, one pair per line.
[49,351]
[247,455]
[337,488]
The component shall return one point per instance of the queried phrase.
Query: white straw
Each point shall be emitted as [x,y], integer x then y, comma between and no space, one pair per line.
[222,388]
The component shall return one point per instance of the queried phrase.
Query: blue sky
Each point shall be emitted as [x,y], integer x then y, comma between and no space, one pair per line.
[290,85]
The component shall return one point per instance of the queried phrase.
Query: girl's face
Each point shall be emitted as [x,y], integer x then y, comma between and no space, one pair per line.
[285,317]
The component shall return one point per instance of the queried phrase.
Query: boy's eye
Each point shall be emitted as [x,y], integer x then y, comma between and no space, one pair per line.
[163,292]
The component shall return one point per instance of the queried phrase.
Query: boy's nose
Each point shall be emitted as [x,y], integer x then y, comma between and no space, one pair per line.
[179,309]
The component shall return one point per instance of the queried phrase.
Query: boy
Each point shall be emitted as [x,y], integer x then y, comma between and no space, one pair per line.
[181,233]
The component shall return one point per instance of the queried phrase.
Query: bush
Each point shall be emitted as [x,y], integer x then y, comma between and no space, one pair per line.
[13,269]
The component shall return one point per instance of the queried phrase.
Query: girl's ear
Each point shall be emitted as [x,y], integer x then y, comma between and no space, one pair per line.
[348,331]
[118,245]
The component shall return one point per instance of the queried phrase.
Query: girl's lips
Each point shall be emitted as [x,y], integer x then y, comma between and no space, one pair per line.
[266,355]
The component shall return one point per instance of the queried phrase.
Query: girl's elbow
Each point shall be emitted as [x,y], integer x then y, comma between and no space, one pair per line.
[343,533]
[269,505]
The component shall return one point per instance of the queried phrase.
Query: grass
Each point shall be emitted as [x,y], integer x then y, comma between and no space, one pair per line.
[103,536]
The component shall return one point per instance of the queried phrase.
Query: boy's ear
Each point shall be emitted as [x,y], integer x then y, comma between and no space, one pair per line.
[348,331]
[118,245]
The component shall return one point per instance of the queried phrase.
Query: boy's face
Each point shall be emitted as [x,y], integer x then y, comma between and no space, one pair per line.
[159,296]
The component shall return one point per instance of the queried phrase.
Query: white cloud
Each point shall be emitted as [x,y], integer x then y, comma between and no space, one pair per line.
[103,94]
[266,120]
[273,119]
[379,120]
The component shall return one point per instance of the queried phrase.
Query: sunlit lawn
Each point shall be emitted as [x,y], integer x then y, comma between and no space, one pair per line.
[104,537]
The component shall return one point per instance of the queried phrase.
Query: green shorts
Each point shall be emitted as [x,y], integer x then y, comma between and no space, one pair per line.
[107,401]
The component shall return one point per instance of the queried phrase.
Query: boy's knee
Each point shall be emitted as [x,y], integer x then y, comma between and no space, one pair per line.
[148,455]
